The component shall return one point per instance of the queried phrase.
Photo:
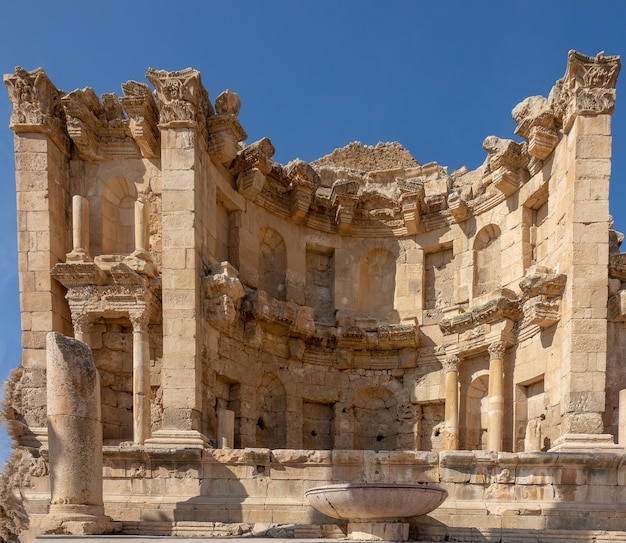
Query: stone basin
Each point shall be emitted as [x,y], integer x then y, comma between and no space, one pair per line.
[376,511]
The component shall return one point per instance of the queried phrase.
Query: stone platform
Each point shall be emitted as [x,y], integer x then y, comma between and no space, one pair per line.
[137,538]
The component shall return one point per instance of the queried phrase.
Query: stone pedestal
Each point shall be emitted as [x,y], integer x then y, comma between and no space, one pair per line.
[378,531]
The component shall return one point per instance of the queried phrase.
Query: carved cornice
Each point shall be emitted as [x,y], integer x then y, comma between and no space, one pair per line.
[378,336]
[78,274]
[506,160]
[303,181]
[256,155]
[536,124]
[182,100]
[542,283]
[225,131]
[458,207]
[541,297]
[503,305]
[143,117]
[587,88]
[36,106]
[296,320]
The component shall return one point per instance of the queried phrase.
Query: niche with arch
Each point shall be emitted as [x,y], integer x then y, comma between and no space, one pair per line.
[271,407]
[377,284]
[487,260]
[118,217]
[477,413]
[375,420]
[272,264]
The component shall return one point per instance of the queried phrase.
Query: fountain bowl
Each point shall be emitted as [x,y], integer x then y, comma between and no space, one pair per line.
[376,502]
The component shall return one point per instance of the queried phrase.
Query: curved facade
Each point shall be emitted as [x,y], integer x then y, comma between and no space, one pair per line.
[362,302]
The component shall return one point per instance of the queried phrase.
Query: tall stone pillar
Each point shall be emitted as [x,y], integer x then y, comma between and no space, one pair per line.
[183,110]
[451,436]
[142,424]
[584,100]
[495,423]
[75,437]
[42,153]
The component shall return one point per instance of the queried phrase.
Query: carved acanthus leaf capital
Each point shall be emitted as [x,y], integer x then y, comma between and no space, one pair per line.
[450,363]
[182,99]
[140,320]
[36,105]
[587,88]
[496,350]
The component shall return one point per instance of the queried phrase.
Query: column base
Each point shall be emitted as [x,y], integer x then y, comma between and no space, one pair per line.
[178,439]
[77,519]
[378,531]
[586,443]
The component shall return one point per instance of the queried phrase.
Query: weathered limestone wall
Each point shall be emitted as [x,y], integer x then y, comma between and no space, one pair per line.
[490,494]
[361,317]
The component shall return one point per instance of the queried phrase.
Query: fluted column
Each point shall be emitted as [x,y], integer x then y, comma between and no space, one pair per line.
[451,434]
[142,424]
[496,396]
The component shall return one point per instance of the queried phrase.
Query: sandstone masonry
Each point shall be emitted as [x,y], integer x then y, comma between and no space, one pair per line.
[259,329]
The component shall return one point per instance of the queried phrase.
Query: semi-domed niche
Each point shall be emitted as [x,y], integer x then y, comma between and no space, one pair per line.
[272,264]
[487,260]
[118,217]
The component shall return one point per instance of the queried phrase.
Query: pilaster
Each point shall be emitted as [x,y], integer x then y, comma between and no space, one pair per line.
[583,101]
[41,162]
[183,111]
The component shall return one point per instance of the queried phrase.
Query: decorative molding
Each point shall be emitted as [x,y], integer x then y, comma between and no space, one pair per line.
[182,100]
[587,88]
[37,106]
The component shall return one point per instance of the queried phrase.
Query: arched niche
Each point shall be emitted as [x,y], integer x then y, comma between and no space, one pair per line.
[375,420]
[272,264]
[271,406]
[477,414]
[118,217]
[377,283]
[487,260]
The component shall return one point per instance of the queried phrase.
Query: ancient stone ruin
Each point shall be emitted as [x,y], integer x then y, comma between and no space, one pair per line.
[212,333]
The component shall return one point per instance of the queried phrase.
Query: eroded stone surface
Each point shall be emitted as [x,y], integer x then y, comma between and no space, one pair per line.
[362,317]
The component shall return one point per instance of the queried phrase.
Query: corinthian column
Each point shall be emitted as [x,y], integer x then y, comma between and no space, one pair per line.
[142,424]
[496,396]
[451,433]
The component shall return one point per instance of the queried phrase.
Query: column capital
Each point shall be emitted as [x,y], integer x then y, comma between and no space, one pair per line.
[182,99]
[587,88]
[139,320]
[496,350]
[450,363]
[36,106]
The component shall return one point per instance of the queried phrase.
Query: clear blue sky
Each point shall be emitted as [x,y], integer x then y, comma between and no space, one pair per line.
[436,76]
